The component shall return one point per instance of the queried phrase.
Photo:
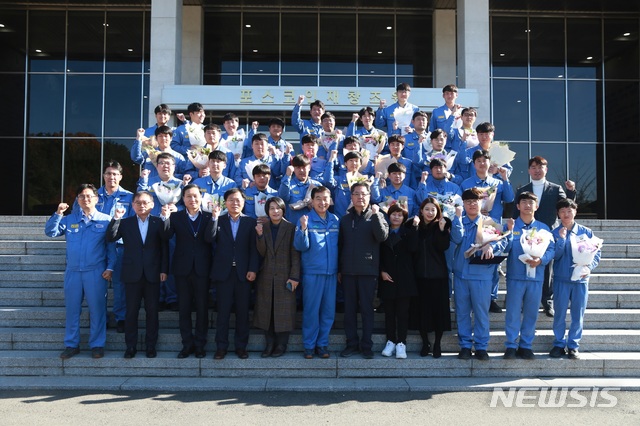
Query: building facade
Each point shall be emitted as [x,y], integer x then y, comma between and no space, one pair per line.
[559,79]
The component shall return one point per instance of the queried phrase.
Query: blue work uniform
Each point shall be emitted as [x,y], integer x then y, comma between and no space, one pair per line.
[566,291]
[412,145]
[464,163]
[523,292]
[218,187]
[380,195]
[180,141]
[384,116]
[441,118]
[304,127]
[277,165]
[250,199]
[318,247]
[88,255]
[292,190]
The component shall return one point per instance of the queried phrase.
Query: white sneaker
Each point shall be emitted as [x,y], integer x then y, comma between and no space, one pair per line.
[401,351]
[390,349]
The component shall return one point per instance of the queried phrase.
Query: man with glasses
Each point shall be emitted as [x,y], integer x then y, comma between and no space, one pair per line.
[90,263]
[362,230]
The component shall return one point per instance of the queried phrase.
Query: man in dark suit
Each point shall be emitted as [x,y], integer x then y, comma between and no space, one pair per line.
[190,266]
[235,265]
[549,194]
[145,263]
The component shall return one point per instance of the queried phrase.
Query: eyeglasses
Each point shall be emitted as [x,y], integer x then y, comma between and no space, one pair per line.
[142,203]
[85,197]
[112,174]
[471,201]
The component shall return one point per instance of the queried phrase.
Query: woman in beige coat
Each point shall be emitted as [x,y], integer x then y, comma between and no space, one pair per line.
[275,308]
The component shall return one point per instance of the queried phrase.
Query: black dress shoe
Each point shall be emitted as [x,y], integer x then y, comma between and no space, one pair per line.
[495,308]
[173,306]
[278,351]
[151,353]
[426,348]
[130,353]
[349,351]
[220,354]
[120,326]
[186,351]
[162,306]
[242,353]
[267,351]
[437,350]
[200,353]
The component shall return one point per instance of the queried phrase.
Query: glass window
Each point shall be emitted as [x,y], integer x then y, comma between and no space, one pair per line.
[509,47]
[12,88]
[260,42]
[44,176]
[556,156]
[414,50]
[118,149]
[586,169]
[585,111]
[511,109]
[123,94]
[548,110]
[623,108]
[12,169]
[46,98]
[259,80]
[621,48]
[546,37]
[81,164]
[13,39]
[147,42]
[519,177]
[85,41]
[376,47]
[299,80]
[584,51]
[622,169]
[222,34]
[376,81]
[340,81]
[125,35]
[46,41]
[337,43]
[84,105]
[299,51]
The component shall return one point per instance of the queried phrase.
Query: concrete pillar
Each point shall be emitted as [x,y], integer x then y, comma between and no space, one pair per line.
[473,52]
[444,47]
[165,49]
[192,45]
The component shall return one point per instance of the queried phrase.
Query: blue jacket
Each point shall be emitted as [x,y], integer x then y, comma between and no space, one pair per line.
[504,192]
[318,245]
[87,246]
[384,116]
[439,120]
[223,183]
[378,196]
[516,269]
[275,164]
[292,190]
[304,127]
[250,202]
[563,259]
[147,185]
[434,187]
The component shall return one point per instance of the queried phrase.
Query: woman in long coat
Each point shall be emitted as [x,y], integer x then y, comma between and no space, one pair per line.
[275,307]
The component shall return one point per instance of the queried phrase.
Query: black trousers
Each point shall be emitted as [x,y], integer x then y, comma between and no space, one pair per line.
[134,293]
[193,288]
[359,291]
[396,318]
[233,292]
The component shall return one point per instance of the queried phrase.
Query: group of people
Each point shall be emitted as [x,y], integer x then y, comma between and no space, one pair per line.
[244,220]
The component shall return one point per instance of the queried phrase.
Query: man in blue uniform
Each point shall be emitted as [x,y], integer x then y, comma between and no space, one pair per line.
[444,116]
[90,264]
[384,115]
[308,127]
[294,187]
[181,141]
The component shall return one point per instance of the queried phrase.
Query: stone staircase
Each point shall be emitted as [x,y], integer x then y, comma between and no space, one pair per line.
[32,327]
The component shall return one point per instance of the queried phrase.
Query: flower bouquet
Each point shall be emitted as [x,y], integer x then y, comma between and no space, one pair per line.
[260,200]
[488,231]
[211,200]
[500,153]
[305,202]
[356,177]
[403,117]
[374,143]
[448,203]
[235,144]
[534,243]
[199,156]
[583,251]
[363,152]
[402,201]
[196,134]
[448,158]
[382,163]
[248,168]
[488,198]
[167,193]
[329,140]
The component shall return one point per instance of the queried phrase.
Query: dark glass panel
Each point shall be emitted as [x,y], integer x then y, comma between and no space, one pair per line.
[337,43]
[547,47]
[125,36]
[222,41]
[12,194]
[585,111]
[299,80]
[123,97]
[556,156]
[84,105]
[44,176]
[414,46]
[12,89]
[621,48]
[376,48]
[341,81]
[85,41]
[622,105]
[46,41]
[147,41]
[46,99]
[299,51]
[260,43]
[260,80]
[118,149]
[81,164]
[584,41]
[509,46]
[548,111]
[622,174]
[519,175]
[145,102]
[419,81]
[13,39]
[511,109]
[586,169]
[376,81]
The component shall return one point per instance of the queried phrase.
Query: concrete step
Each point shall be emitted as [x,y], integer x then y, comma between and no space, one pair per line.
[35,279]
[53,247]
[47,363]
[55,262]
[618,266]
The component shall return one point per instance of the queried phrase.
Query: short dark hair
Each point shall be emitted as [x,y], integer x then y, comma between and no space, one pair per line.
[259,137]
[419,114]
[84,186]
[360,185]
[396,138]
[278,201]
[141,193]
[218,155]
[485,127]
[327,115]
[396,167]
[211,126]
[112,164]
[163,130]
[352,154]
[566,203]
[366,110]
[481,153]
[229,116]
[167,156]
[450,88]
[436,133]
[309,139]
[403,86]
[317,189]
[300,161]
[469,109]
[162,108]
[277,121]
[541,161]
[437,162]
[261,169]
[232,191]
[188,187]
[194,107]
[350,139]
[526,195]
[398,208]
[317,103]
[472,194]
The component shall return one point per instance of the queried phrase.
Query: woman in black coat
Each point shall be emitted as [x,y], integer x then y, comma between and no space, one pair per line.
[398,283]
[431,275]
